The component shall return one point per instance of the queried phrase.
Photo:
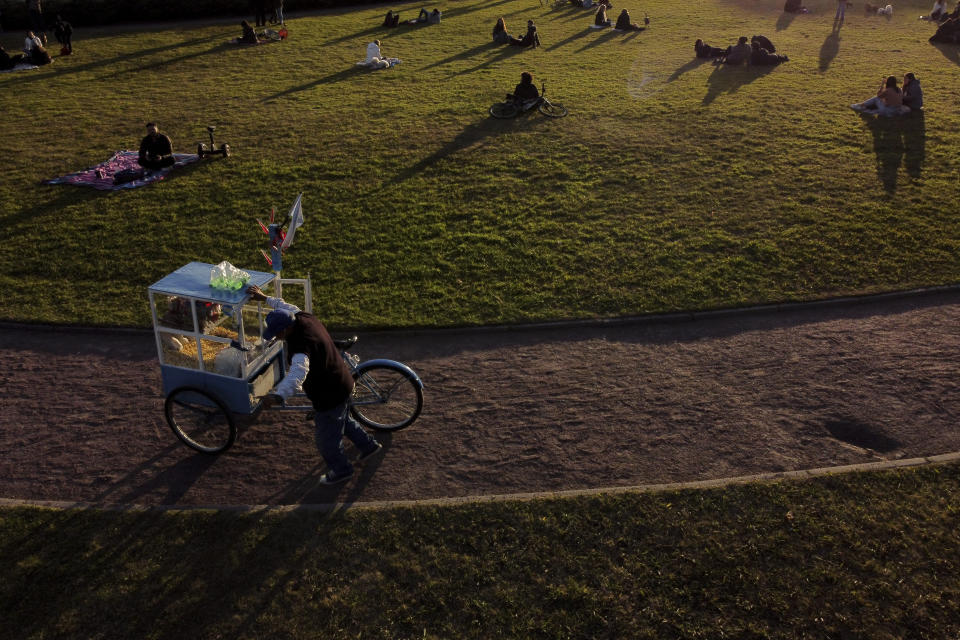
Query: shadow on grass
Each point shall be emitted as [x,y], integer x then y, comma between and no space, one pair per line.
[504,53]
[690,66]
[167,62]
[469,53]
[785,20]
[725,79]
[603,39]
[469,137]
[69,196]
[829,50]
[333,77]
[950,51]
[99,64]
[895,141]
[568,40]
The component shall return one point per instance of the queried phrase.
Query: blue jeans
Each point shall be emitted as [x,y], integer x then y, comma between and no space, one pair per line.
[332,425]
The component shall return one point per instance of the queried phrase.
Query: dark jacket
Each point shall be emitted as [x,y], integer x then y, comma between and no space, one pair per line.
[913,95]
[159,146]
[530,37]
[63,30]
[329,381]
[764,43]
[526,92]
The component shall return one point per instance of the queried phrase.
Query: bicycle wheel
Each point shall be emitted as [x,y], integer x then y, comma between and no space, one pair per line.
[200,420]
[504,110]
[385,398]
[552,109]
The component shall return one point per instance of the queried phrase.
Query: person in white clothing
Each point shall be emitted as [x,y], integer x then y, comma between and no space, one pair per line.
[374,57]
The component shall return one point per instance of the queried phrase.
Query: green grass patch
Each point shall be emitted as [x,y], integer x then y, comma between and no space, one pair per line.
[869,555]
[671,185]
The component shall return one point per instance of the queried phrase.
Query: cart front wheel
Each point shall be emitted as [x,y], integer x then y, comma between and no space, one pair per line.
[200,420]
[385,398]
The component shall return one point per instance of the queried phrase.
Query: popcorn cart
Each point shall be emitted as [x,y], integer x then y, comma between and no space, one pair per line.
[215,365]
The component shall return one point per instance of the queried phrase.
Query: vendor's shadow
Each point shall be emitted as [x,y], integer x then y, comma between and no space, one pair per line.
[785,20]
[898,141]
[829,50]
[726,79]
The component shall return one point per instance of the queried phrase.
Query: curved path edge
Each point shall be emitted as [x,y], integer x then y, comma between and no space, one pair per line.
[801,474]
[664,317]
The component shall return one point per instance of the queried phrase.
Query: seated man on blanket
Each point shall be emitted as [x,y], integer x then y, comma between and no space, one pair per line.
[156,152]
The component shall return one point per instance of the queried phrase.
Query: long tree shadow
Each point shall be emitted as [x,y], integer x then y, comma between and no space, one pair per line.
[726,79]
[950,51]
[103,62]
[502,54]
[568,40]
[469,53]
[785,20]
[829,50]
[690,66]
[333,77]
[223,46]
[606,37]
[470,136]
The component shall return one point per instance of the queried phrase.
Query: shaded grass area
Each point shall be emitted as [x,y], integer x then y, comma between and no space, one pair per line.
[868,555]
[672,184]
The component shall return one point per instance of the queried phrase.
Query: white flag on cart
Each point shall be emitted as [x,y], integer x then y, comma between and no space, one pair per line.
[296,221]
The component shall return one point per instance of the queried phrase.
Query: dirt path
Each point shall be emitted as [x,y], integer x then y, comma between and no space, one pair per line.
[511,411]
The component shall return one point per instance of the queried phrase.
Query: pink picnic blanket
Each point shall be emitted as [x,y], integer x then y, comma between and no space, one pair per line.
[101,176]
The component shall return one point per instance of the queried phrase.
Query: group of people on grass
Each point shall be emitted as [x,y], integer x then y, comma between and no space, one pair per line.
[759,52]
[425,17]
[624,23]
[891,100]
[948,29]
[501,36]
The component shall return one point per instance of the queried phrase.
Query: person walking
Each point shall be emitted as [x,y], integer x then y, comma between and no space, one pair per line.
[63,31]
[315,365]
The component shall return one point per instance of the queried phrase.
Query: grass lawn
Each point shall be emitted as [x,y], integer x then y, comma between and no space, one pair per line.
[671,185]
[853,556]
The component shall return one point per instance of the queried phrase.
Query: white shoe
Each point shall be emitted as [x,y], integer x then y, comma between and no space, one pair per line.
[857,107]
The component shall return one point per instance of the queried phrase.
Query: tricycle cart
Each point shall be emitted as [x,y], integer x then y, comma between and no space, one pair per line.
[215,365]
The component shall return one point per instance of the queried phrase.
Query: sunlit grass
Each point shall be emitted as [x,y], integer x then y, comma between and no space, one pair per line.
[671,185]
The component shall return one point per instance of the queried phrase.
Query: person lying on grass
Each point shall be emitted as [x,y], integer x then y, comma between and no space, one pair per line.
[703,50]
[156,151]
[624,24]
[888,101]
[739,53]
[760,57]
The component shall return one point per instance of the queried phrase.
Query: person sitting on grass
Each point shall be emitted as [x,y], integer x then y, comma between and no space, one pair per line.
[600,17]
[624,24]
[34,52]
[392,19]
[760,57]
[739,53]
[156,151]
[530,39]
[888,101]
[500,35]
[249,35]
[7,61]
[703,50]
[525,91]
[912,93]
[939,11]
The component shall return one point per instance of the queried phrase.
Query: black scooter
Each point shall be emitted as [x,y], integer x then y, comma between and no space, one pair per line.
[203,151]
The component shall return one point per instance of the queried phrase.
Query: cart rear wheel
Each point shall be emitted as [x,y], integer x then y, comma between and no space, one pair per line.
[225,148]
[201,149]
[200,420]
[385,398]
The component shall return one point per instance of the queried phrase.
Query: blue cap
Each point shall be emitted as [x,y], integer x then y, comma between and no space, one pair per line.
[277,321]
